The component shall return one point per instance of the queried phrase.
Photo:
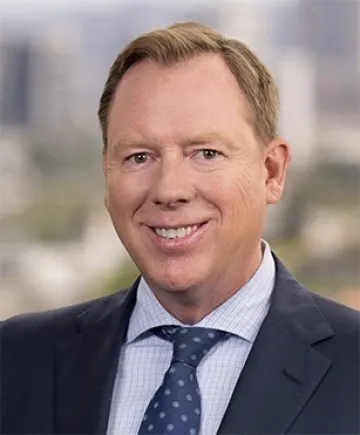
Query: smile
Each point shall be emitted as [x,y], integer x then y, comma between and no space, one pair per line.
[177,239]
[175,233]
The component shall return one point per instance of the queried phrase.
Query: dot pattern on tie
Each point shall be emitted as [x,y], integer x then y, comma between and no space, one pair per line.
[176,406]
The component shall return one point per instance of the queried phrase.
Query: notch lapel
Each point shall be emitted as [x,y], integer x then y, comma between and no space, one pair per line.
[283,369]
[86,366]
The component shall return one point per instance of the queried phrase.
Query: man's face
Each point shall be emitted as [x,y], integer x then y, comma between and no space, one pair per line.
[187,182]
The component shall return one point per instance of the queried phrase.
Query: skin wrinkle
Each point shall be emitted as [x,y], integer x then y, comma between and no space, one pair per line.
[177,184]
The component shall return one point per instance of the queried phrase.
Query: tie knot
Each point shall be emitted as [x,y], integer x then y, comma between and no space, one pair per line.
[191,344]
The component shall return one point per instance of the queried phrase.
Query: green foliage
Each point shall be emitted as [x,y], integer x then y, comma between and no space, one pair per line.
[330,185]
[57,214]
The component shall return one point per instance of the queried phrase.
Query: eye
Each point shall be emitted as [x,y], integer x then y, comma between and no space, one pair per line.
[208,154]
[138,158]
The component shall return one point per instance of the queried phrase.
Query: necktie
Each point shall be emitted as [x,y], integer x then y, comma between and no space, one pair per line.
[176,406]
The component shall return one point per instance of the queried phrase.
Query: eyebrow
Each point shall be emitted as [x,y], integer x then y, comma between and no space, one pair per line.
[125,143]
[207,138]
[200,139]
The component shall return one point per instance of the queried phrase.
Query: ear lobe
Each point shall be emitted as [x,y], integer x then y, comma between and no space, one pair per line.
[274,193]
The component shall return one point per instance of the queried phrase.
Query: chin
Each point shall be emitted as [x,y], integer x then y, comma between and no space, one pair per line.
[173,280]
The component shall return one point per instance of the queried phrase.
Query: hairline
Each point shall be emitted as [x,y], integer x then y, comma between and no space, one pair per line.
[253,77]
[249,112]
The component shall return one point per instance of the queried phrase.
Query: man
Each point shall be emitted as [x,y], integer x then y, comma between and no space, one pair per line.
[216,336]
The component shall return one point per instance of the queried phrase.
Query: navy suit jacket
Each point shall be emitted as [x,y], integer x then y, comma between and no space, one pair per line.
[302,376]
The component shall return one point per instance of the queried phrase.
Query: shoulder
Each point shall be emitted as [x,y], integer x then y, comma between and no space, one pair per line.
[342,344]
[52,325]
[296,303]
[343,320]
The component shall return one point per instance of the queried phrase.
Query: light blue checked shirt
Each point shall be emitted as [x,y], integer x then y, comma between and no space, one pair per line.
[144,358]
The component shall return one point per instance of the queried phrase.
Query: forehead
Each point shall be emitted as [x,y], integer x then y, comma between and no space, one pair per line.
[195,94]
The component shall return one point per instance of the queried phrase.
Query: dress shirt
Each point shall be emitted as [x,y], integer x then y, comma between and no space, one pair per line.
[144,357]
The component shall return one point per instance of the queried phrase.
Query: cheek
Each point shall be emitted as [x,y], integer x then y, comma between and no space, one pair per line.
[251,190]
[123,195]
[237,192]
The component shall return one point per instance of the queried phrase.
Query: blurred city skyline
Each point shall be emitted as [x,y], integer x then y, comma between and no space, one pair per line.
[52,71]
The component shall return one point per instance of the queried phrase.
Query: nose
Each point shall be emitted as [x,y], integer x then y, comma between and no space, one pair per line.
[172,185]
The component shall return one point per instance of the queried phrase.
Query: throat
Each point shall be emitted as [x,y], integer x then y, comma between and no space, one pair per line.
[189,307]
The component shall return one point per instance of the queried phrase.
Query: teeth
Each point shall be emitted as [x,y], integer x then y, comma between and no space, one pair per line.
[173,233]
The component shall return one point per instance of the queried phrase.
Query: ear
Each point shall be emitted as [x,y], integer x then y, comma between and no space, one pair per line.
[277,160]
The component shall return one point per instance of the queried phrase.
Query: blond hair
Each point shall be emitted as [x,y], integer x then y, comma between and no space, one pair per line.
[182,41]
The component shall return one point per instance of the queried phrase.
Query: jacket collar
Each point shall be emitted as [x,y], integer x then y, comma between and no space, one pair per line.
[281,373]
[86,365]
[283,369]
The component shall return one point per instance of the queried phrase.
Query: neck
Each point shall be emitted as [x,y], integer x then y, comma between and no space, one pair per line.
[191,305]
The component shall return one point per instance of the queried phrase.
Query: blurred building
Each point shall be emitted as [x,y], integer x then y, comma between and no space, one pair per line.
[38,80]
[55,81]
[247,21]
[328,33]
[15,82]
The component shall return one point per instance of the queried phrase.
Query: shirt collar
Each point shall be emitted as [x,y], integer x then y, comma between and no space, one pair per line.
[240,315]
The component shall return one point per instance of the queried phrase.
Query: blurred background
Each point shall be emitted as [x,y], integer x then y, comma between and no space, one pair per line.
[57,245]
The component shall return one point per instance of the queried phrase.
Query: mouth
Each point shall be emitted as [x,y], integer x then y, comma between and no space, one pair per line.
[180,232]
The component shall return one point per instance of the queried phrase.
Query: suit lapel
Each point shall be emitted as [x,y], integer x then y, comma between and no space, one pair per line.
[86,366]
[282,372]
[283,369]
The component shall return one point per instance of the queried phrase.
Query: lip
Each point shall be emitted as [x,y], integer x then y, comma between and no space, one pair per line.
[177,244]
[171,226]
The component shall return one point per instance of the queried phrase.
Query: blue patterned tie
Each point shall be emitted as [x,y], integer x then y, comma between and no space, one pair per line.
[176,406]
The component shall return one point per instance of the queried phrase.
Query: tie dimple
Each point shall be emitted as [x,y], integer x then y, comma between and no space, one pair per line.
[176,406]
